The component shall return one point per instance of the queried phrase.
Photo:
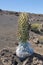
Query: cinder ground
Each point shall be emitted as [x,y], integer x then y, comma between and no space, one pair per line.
[8,28]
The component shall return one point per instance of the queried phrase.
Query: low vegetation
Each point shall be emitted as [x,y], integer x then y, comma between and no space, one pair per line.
[36,27]
[41,39]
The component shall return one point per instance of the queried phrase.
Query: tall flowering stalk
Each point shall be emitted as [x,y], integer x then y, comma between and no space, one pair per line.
[23,27]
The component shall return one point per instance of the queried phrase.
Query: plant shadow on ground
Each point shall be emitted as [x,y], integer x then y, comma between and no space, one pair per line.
[35,56]
[40,57]
[37,32]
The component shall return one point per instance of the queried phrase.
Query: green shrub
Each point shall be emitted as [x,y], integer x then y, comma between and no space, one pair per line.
[36,27]
[23,27]
[42,28]
[41,39]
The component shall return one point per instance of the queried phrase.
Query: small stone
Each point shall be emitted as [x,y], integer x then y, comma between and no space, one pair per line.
[35,61]
[40,45]
[16,43]
[36,40]
[4,51]
[27,61]
[6,61]
[34,58]
[2,54]
[40,62]
[16,60]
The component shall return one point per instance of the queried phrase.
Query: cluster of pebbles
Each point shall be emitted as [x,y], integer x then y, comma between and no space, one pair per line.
[7,57]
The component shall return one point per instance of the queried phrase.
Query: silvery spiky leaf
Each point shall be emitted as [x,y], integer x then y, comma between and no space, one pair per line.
[24,50]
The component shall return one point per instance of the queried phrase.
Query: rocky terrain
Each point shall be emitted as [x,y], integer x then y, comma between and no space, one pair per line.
[8,57]
[8,39]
